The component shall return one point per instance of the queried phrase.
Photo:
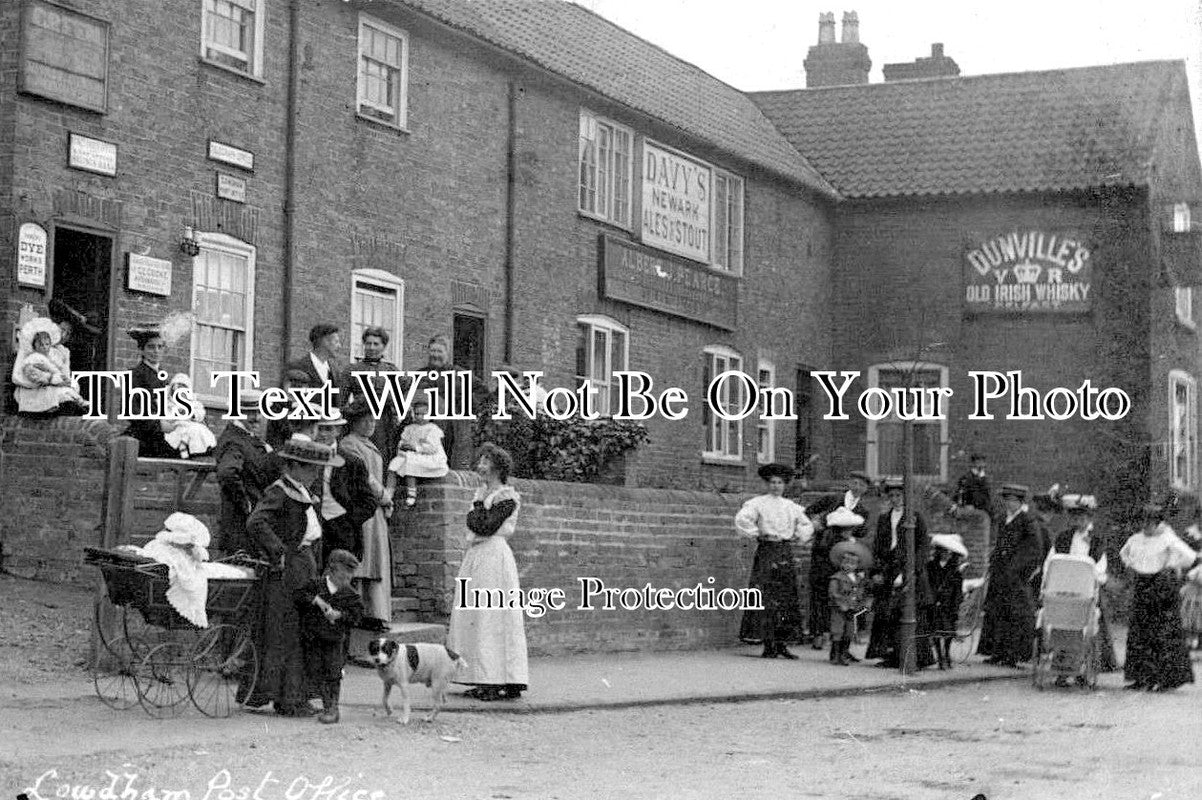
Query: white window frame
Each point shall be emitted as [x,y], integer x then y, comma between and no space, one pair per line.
[717,431]
[599,322]
[254,62]
[396,339]
[766,427]
[728,257]
[1181,218]
[222,243]
[1184,297]
[872,458]
[400,114]
[1186,440]
[607,206]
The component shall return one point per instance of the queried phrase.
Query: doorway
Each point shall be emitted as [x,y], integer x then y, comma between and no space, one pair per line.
[82,280]
[468,344]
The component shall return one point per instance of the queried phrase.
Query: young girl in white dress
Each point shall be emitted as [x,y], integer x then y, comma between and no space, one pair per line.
[419,453]
[189,435]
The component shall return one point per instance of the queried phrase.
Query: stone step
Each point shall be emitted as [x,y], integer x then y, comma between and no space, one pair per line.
[403,632]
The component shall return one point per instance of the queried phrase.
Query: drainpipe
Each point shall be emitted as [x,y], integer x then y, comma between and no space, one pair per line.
[511,168]
[290,175]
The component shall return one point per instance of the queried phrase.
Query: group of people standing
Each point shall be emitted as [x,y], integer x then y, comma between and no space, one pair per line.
[847,578]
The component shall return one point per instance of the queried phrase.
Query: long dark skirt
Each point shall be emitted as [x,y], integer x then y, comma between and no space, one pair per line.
[1157,652]
[821,570]
[774,573]
[1008,632]
[278,636]
[884,641]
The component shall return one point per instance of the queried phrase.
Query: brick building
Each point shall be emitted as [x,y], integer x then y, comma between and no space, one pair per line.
[1036,222]
[510,174]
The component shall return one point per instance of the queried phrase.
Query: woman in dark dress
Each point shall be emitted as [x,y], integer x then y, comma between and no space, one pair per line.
[148,374]
[1157,651]
[284,528]
[1008,632]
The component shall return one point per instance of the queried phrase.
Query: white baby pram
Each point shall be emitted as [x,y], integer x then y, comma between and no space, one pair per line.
[1067,623]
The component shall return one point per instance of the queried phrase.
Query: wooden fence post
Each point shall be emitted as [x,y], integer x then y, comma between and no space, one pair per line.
[123,459]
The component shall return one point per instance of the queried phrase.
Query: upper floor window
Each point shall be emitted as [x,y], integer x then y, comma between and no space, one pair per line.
[377,300]
[728,222]
[766,428]
[606,158]
[723,437]
[602,348]
[1185,305]
[383,72]
[223,301]
[886,447]
[232,34]
[1183,430]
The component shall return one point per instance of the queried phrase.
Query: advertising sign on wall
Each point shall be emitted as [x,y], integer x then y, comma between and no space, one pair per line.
[31,255]
[643,277]
[1030,271]
[676,202]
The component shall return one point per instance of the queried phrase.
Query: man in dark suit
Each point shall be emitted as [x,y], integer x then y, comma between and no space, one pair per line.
[149,374]
[245,468]
[888,576]
[1008,631]
[321,365]
[825,538]
[973,488]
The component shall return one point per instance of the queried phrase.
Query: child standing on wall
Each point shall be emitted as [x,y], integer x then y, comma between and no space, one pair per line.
[419,453]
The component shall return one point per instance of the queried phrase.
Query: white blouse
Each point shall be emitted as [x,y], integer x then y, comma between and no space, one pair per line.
[1149,555]
[775,519]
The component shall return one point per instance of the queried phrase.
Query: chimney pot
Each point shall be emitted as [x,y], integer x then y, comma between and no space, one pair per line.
[937,50]
[851,27]
[826,28]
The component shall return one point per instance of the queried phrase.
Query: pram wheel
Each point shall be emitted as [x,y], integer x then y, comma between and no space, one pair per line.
[115,674]
[223,660]
[163,679]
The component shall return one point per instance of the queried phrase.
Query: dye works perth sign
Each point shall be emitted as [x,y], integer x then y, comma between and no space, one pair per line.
[643,277]
[1029,271]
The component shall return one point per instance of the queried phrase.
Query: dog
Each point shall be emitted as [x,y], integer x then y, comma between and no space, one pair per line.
[399,665]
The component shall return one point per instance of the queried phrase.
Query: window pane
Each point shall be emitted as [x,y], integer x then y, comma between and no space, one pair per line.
[582,365]
[600,350]
[617,357]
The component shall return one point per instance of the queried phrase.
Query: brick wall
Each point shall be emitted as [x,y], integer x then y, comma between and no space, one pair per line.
[53,474]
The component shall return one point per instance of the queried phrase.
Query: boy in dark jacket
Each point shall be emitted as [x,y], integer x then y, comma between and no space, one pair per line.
[329,608]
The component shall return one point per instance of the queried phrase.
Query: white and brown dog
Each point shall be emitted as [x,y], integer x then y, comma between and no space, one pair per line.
[399,665]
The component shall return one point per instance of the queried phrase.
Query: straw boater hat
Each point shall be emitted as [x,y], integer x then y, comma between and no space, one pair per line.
[838,551]
[1014,490]
[894,484]
[769,471]
[1080,503]
[249,400]
[144,333]
[951,542]
[308,451]
[842,517]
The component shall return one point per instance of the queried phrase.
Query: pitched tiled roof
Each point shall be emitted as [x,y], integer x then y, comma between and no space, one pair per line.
[591,51]
[1030,131]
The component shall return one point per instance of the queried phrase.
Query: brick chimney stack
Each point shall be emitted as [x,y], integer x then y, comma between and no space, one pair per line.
[831,63]
[937,65]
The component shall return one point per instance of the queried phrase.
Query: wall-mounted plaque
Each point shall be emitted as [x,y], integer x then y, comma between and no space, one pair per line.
[228,154]
[230,187]
[146,274]
[31,255]
[644,277]
[64,56]
[92,155]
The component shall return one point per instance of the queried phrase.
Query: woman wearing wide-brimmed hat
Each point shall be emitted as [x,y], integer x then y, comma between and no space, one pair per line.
[284,528]
[1157,652]
[1083,540]
[1008,631]
[826,535]
[148,374]
[41,375]
[944,574]
[778,524]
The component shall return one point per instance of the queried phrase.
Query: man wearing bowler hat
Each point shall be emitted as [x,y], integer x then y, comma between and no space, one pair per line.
[245,468]
[1008,631]
[777,523]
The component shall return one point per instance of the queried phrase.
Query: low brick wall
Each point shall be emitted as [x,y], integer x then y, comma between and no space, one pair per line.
[52,474]
[621,536]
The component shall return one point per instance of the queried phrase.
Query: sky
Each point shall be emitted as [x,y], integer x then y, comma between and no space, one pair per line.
[761,44]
